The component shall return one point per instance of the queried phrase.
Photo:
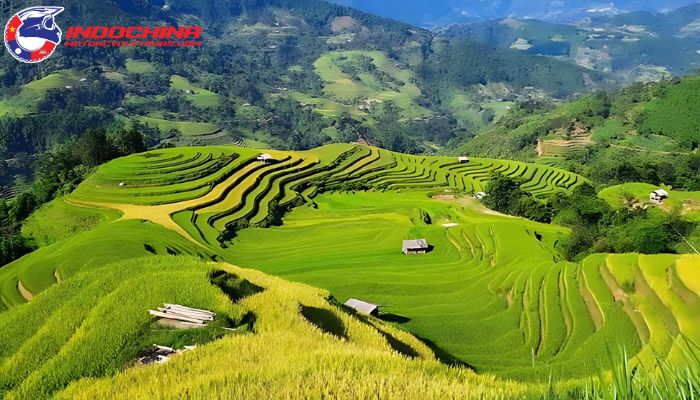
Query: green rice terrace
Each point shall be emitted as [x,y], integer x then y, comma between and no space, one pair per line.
[493,292]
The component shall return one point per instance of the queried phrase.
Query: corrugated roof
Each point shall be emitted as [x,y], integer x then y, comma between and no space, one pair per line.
[420,244]
[362,306]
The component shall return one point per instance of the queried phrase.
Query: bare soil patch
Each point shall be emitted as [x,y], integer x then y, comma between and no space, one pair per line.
[344,23]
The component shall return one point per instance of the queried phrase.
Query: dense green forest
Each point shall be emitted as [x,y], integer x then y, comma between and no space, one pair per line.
[464,63]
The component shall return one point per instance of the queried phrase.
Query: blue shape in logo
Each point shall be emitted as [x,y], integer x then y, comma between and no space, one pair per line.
[32,35]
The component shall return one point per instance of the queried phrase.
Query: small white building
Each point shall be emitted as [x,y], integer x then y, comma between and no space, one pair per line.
[122,184]
[363,307]
[463,160]
[658,196]
[266,158]
[419,246]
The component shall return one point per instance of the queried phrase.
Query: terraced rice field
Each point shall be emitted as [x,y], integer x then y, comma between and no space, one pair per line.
[493,293]
[187,128]
[49,344]
[200,97]
[209,191]
[369,77]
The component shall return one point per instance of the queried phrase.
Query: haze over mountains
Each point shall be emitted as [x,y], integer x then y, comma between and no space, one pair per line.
[442,12]
[633,46]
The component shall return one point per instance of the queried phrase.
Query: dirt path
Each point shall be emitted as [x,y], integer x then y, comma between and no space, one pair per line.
[160,215]
[24,292]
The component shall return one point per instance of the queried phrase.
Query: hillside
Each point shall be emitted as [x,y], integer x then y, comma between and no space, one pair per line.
[633,46]
[444,12]
[290,341]
[348,208]
[469,76]
[274,73]
[643,133]
[655,120]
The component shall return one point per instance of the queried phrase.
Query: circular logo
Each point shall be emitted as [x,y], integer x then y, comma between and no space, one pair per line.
[31,35]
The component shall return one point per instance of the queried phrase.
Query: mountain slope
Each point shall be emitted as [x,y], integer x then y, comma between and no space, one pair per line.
[295,328]
[644,132]
[264,65]
[632,46]
[443,12]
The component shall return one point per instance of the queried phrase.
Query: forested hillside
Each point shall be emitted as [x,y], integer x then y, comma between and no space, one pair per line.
[630,46]
[443,12]
[264,67]
[643,132]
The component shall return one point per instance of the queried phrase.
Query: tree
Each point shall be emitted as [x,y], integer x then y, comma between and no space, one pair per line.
[94,148]
[503,194]
[129,141]
[56,173]
[22,207]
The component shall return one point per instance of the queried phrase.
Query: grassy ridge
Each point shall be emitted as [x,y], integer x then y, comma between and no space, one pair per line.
[292,352]
[107,243]
[200,97]
[97,323]
[59,220]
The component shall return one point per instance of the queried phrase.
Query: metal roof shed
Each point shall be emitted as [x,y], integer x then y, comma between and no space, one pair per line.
[363,307]
[419,246]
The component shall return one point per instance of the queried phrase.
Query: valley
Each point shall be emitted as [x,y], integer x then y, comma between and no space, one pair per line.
[484,201]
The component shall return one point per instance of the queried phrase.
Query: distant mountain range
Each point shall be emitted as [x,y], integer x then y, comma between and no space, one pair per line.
[443,12]
[638,45]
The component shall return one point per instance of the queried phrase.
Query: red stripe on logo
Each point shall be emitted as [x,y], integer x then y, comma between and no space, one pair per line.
[15,23]
[43,52]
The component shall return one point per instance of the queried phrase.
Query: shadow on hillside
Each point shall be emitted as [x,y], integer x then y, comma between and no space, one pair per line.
[400,346]
[399,319]
[234,287]
[443,356]
[324,320]
[394,343]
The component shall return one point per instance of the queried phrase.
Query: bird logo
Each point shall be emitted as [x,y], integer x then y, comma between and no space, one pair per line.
[31,35]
